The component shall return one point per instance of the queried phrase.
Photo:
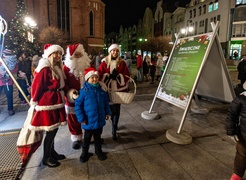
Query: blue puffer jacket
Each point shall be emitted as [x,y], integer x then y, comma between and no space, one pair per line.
[92,106]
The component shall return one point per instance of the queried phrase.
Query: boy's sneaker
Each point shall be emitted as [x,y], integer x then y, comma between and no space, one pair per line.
[101,156]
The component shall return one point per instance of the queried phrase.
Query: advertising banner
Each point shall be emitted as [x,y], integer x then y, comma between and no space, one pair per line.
[182,69]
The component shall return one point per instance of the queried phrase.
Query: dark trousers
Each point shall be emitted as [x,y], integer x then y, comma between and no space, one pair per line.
[22,83]
[96,133]
[115,115]
[240,158]
[49,143]
[8,90]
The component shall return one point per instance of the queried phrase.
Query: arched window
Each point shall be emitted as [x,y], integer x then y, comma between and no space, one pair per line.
[91,23]
[190,14]
[194,12]
[63,15]
[199,11]
[204,9]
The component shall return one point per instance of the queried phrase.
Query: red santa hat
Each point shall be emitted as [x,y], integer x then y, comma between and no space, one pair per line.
[113,46]
[73,48]
[89,72]
[51,48]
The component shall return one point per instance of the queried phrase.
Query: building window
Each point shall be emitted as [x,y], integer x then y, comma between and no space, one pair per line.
[216,5]
[194,12]
[201,23]
[63,15]
[91,24]
[190,14]
[204,9]
[200,11]
[210,7]
[240,2]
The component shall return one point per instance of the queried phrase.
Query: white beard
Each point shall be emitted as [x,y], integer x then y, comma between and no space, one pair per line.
[77,65]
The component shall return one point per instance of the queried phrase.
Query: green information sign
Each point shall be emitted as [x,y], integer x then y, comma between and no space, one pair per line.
[183,68]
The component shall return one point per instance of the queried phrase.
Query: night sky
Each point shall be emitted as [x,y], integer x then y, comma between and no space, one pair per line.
[128,12]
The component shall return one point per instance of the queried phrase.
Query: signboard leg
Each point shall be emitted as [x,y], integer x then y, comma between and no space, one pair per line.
[196,106]
[150,115]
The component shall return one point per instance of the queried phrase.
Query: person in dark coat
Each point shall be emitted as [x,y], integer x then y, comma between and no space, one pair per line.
[152,69]
[236,129]
[242,69]
[145,68]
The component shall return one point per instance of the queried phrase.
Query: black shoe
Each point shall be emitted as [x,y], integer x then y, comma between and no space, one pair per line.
[101,156]
[11,112]
[50,162]
[85,157]
[77,144]
[114,137]
[59,156]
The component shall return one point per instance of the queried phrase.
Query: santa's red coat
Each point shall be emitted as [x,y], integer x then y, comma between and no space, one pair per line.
[50,111]
[72,83]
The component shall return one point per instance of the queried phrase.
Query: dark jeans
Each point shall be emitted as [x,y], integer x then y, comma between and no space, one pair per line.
[96,133]
[240,158]
[22,83]
[9,95]
[115,115]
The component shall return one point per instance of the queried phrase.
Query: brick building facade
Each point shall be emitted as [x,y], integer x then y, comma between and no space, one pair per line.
[83,20]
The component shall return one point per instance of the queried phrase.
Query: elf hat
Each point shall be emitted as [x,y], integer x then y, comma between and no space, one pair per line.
[89,72]
[51,48]
[113,46]
[73,48]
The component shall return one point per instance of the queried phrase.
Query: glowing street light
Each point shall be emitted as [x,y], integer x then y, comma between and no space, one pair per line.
[188,29]
[30,22]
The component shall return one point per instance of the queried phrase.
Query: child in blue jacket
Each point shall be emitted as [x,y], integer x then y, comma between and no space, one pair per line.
[92,109]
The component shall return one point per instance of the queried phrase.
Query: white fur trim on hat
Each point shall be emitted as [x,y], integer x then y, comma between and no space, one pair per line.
[90,73]
[113,46]
[51,49]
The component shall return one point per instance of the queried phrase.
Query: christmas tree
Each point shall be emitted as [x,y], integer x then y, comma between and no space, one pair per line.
[20,36]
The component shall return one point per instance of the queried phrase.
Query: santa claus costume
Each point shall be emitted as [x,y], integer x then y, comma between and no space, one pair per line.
[114,69]
[75,63]
[48,100]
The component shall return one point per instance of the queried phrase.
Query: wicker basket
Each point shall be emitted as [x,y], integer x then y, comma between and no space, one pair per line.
[122,97]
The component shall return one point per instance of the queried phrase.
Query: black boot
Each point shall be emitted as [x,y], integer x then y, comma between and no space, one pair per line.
[49,148]
[101,155]
[77,144]
[55,155]
[50,162]
[114,136]
[84,157]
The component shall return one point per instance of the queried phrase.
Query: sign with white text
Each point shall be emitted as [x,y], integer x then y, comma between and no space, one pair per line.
[183,68]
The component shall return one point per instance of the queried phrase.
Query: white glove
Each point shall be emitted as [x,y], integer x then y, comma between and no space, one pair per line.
[72,94]
[75,94]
